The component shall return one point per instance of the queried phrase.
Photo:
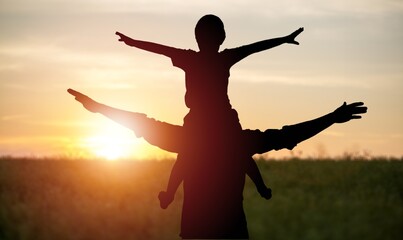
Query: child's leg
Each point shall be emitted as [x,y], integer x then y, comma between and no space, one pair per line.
[175,179]
[253,172]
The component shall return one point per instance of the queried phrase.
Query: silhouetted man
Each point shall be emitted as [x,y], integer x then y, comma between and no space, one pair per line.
[214,179]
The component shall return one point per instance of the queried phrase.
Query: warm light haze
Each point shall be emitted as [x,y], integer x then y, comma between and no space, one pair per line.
[350,51]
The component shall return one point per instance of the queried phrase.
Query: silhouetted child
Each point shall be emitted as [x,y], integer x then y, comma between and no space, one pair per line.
[207,72]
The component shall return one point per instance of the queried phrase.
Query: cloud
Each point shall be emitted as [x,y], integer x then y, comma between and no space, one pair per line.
[57,53]
[299,77]
[314,8]
[333,133]
[13,117]
[173,7]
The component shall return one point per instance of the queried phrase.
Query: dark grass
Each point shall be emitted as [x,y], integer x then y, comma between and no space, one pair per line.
[67,199]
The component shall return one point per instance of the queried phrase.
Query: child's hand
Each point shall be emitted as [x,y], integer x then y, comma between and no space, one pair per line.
[87,102]
[349,111]
[123,38]
[265,193]
[291,38]
[165,199]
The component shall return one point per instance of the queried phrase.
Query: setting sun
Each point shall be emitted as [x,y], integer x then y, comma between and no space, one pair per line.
[113,143]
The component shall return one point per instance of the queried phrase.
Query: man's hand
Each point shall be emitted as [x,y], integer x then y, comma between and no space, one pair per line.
[87,102]
[349,111]
[291,38]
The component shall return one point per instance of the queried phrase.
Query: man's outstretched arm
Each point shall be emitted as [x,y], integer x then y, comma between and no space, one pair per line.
[148,46]
[163,135]
[302,131]
[289,136]
[125,118]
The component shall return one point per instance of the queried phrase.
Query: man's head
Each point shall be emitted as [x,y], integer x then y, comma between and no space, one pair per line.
[210,33]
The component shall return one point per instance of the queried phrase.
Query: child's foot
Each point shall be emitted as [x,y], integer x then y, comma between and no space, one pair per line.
[265,193]
[165,199]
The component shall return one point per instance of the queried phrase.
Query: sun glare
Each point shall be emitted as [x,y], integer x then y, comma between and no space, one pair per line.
[113,143]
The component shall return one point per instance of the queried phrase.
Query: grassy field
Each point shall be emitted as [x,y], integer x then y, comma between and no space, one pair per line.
[68,199]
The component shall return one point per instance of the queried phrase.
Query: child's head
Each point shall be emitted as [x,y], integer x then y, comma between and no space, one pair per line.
[210,33]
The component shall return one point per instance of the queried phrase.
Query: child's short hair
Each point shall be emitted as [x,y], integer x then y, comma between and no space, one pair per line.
[210,29]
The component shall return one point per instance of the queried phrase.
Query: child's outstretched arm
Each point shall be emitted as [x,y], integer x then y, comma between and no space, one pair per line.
[148,46]
[249,49]
[274,42]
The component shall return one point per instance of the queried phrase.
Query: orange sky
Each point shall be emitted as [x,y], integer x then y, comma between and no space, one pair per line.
[350,51]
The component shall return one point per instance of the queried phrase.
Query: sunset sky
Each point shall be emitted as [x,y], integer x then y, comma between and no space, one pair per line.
[350,51]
